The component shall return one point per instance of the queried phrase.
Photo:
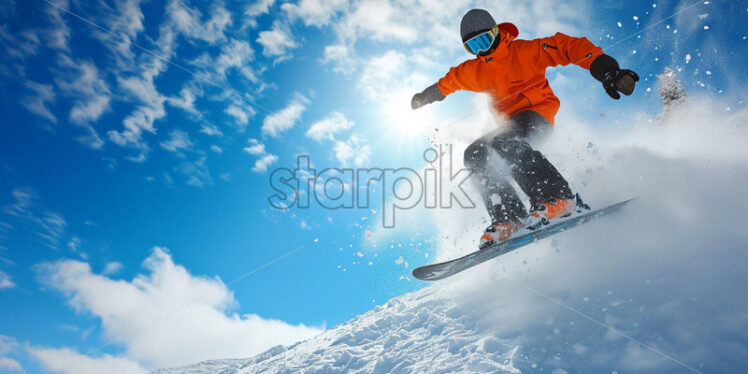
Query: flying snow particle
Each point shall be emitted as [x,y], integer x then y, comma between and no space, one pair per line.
[688,58]
[619,24]
[634,52]
[702,16]
[708,72]
[636,18]
[316,240]
[706,27]
[399,260]
[359,254]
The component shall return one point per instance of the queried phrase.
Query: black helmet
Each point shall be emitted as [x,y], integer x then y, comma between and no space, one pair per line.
[474,22]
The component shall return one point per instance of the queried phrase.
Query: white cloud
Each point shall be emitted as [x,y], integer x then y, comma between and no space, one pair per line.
[236,54]
[277,41]
[185,100]
[327,127]
[255,148]
[341,56]
[216,149]
[264,159]
[68,361]
[381,21]
[255,10]
[202,330]
[58,33]
[19,45]
[38,103]
[125,21]
[142,88]
[314,12]
[49,227]
[10,365]
[378,74]
[197,172]
[90,93]
[7,344]
[240,114]
[178,141]
[285,118]
[355,150]
[188,21]
[74,245]
[112,268]
[211,130]
[259,7]
[6,281]
[304,225]
[142,118]
[262,164]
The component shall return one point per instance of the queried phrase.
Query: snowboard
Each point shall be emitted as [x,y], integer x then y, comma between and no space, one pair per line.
[446,269]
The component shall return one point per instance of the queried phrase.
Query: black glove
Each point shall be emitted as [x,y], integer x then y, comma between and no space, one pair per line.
[623,80]
[428,96]
[614,79]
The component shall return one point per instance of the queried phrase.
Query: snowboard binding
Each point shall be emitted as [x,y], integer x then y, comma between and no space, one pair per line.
[541,220]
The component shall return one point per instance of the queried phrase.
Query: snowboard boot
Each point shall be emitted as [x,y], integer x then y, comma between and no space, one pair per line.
[543,212]
[499,232]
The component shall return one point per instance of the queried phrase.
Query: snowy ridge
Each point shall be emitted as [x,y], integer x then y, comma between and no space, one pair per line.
[417,332]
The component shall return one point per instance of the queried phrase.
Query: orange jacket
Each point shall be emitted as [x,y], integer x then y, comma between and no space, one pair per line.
[514,73]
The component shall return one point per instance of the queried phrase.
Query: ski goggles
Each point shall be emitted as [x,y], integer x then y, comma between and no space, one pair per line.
[482,42]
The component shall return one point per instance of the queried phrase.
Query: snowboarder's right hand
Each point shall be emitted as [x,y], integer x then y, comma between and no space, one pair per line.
[428,96]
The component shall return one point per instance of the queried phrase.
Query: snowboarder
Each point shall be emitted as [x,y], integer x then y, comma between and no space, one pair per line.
[513,73]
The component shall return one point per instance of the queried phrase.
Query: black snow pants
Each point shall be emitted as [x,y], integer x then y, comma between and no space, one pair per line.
[534,174]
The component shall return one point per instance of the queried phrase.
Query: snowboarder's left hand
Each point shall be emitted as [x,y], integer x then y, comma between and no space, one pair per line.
[620,80]
[428,96]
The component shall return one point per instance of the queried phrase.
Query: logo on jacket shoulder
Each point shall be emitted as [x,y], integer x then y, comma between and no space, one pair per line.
[546,46]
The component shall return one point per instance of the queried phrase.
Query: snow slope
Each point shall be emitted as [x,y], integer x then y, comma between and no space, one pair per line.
[417,332]
[656,288]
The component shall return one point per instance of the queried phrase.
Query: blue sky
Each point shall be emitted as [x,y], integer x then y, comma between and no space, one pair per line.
[138,139]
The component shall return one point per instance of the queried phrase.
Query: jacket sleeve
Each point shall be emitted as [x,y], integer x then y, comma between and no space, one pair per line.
[464,76]
[561,49]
